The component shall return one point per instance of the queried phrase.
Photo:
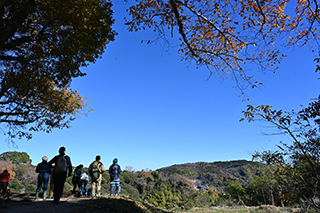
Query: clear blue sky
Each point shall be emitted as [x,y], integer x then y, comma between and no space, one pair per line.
[152,111]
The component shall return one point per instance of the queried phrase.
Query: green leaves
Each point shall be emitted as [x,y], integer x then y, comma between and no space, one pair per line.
[40,53]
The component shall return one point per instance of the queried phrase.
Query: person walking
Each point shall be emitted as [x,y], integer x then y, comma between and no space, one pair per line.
[4,182]
[84,180]
[96,169]
[44,171]
[76,177]
[62,167]
[114,171]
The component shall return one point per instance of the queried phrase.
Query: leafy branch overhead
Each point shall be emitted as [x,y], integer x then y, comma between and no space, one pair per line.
[43,44]
[225,36]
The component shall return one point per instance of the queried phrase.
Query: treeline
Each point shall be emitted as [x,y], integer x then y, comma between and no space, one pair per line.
[174,187]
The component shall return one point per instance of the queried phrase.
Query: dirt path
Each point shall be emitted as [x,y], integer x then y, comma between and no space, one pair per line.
[29,205]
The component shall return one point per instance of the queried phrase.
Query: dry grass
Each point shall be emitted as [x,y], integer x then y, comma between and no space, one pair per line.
[242,209]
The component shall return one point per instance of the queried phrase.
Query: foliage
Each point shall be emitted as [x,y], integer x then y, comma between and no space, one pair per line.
[26,177]
[165,190]
[297,163]
[214,174]
[263,187]
[234,189]
[16,158]
[8,165]
[43,44]
[225,36]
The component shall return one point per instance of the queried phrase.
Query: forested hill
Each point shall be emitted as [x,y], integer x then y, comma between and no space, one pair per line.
[213,174]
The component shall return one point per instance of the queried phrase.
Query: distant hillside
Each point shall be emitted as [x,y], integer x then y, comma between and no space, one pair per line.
[213,174]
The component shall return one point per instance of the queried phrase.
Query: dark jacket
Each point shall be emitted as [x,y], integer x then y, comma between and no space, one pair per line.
[55,159]
[43,167]
[114,171]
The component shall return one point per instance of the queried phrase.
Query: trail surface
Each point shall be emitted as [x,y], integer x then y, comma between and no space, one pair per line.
[27,204]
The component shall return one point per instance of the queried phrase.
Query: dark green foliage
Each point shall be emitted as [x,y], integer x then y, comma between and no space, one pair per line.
[129,190]
[234,189]
[16,158]
[43,45]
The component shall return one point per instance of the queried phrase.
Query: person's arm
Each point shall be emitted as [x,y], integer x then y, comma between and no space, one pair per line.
[110,169]
[37,169]
[8,178]
[70,165]
[52,161]
[90,170]
[102,168]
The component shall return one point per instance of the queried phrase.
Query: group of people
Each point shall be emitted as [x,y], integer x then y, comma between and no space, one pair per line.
[60,168]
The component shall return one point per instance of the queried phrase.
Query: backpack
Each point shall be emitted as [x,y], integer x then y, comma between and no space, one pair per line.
[77,173]
[61,165]
[115,170]
[95,172]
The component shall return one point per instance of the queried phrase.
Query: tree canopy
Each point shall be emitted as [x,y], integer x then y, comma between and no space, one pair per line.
[16,158]
[43,44]
[226,36]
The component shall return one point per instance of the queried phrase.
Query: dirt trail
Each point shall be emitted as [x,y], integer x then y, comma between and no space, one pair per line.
[29,205]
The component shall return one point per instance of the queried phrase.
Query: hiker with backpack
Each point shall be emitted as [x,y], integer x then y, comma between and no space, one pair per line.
[76,177]
[61,169]
[4,182]
[96,169]
[114,171]
[44,170]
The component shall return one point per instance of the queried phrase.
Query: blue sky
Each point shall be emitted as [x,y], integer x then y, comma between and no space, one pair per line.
[152,111]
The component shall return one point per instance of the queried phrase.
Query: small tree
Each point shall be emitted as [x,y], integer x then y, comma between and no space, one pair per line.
[235,190]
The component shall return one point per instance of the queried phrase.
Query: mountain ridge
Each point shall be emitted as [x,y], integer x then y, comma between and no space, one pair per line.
[213,174]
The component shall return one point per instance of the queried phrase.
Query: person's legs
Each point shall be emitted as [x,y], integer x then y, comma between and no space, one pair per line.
[59,179]
[39,184]
[118,188]
[85,182]
[112,184]
[93,188]
[3,188]
[45,182]
[40,181]
[80,186]
[45,185]
[74,183]
[78,183]
[51,186]
[98,188]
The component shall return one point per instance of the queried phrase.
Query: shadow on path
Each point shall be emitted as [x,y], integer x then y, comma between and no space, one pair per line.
[17,203]
[120,205]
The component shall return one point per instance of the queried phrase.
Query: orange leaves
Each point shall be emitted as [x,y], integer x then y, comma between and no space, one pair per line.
[225,35]
[8,165]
